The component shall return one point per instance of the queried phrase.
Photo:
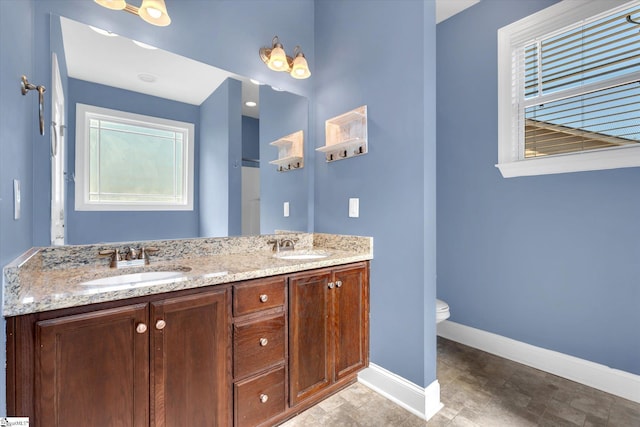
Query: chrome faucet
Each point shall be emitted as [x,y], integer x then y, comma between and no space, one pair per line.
[287,245]
[130,257]
[131,254]
[282,244]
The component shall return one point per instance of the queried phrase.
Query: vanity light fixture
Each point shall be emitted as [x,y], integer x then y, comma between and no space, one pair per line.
[300,68]
[152,11]
[277,60]
[250,103]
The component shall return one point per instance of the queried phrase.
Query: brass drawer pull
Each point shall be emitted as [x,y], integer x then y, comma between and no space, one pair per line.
[264,298]
[264,398]
[264,342]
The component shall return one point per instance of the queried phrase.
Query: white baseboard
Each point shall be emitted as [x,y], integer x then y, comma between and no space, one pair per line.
[601,377]
[423,402]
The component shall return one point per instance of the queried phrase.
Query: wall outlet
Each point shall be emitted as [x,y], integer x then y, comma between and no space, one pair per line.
[286,209]
[354,208]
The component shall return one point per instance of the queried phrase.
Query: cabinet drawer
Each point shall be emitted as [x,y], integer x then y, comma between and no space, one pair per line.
[260,398]
[258,345]
[256,296]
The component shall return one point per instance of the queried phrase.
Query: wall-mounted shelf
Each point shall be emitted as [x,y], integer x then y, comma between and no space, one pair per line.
[290,152]
[346,135]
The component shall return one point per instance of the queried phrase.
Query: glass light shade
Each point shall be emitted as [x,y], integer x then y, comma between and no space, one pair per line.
[300,69]
[112,4]
[278,59]
[154,12]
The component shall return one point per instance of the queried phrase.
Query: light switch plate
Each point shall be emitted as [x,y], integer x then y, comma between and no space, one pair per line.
[286,209]
[354,208]
[16,199]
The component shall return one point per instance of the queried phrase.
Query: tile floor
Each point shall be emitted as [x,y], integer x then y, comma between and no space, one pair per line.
[480,389]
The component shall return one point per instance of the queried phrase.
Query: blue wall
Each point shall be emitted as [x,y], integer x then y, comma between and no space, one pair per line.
[210,32]
[551,260]
[220,161]
[381,55]
[250,141]
[17,123]
[103,226]
[281,114]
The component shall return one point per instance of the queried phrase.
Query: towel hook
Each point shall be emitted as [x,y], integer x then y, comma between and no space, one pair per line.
[26,87]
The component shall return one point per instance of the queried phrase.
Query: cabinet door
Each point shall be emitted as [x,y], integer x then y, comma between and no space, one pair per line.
[351,317]
[190,364]
[309,335]
[92,369]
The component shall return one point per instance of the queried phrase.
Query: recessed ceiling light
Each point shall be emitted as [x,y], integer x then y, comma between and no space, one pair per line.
[103,32]
[250,104]
[144,45]
[255,82]
[147,78]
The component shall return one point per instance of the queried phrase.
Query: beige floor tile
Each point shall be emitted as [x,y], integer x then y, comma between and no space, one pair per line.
[480,390]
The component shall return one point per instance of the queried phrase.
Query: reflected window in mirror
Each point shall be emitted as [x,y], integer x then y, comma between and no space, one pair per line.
[127,161]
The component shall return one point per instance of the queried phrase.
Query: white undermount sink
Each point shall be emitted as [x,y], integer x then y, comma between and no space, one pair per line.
[123,279]
[300,255]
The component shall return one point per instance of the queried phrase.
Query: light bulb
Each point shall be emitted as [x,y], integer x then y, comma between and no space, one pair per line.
[300,69]
[154,13]
[278,59]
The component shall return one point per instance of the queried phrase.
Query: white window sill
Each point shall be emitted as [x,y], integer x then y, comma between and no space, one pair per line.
[130,207]
[626,157]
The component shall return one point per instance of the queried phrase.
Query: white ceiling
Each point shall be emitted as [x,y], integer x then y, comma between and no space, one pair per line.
[117,61]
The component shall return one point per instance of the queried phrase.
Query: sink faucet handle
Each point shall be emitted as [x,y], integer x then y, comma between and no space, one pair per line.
[276,244]
[146,251]
[113,253]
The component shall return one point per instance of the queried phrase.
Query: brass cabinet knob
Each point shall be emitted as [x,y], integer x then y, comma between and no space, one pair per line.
[141,328]
[338,283]
[160,324]
[264,398]
[264,342]
[264,298]
[331,285]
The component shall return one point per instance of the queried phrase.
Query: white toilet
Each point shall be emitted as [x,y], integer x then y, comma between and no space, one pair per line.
[442,311]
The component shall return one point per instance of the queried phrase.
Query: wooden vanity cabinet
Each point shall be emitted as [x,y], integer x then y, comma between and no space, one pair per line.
[251,353]
[328,329]
[259,351]
[164,362]
[93,369]
[190,353]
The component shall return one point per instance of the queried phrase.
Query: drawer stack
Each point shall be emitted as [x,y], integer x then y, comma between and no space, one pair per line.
[259,349]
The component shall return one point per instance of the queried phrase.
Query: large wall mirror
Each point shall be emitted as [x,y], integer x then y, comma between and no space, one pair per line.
[235,189]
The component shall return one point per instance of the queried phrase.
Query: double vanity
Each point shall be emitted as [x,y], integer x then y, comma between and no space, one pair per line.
[244,331]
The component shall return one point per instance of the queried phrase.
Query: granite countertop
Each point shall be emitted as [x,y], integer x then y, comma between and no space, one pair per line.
[51,278]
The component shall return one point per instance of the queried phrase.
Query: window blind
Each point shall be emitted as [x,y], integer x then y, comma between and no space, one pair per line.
[594,55]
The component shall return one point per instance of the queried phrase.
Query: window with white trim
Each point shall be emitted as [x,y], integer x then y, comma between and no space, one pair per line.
[569,89]
[127,162]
